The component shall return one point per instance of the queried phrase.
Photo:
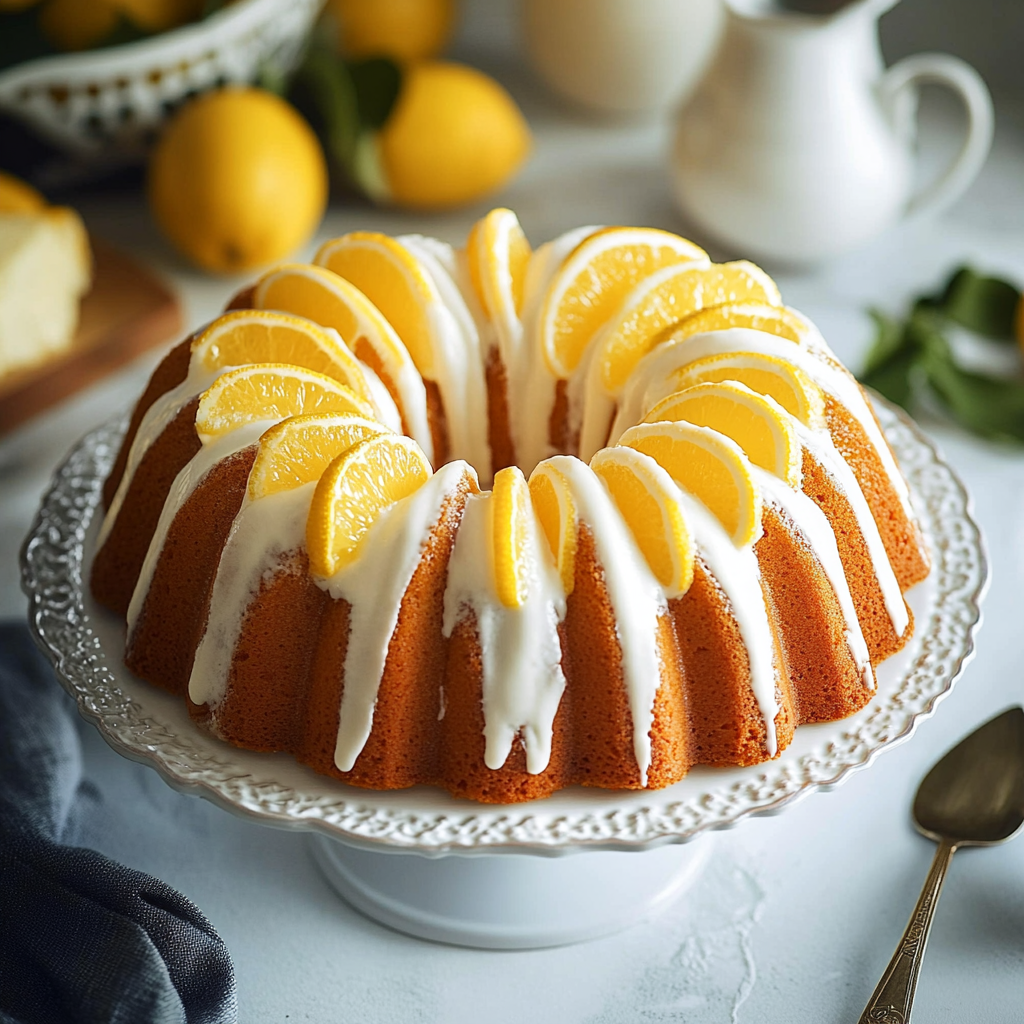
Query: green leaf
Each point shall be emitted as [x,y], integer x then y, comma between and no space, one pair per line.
[890,341]
[990,406]
[986,305]
[377,82]
[323,86]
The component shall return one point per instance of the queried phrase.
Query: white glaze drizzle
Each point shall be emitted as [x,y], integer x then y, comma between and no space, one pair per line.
[188,479]
[262,533]
[386,408]
[459,359]
[520,647]
[374,586]
[154,422]
[814,529]
[820,445]
[636,597]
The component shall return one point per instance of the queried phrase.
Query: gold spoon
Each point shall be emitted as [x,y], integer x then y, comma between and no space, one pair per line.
[974,796]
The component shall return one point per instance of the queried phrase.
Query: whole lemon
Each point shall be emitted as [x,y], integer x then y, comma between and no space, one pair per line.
[237,180]
[404,30]
[454,136]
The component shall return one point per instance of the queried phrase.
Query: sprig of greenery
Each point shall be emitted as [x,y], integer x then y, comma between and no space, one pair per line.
[914,356]
[348,102]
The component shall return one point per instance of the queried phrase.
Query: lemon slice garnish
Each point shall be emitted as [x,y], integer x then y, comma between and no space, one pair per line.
[710,466]
[510,512]
[770,317]
[261,336]
[498,253]
[297,450]
[760,426]
[767,375]
[667,297]
[594,281]
[271,391]
[649,502]
[556,512]
[329,300]
[354,490]
[391,277]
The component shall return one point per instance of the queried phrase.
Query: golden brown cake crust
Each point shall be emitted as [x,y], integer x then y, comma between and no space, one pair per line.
[173,617]
[117,564]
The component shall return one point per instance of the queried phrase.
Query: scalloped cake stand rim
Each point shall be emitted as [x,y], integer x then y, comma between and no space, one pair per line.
[153,728]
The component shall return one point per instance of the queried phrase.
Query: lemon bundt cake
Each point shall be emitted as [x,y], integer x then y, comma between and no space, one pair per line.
[502,521]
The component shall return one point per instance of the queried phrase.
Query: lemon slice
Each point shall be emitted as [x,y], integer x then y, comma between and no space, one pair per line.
[271,391]
[708,465]
[667,297]
[498,253]
[649,503]
[556,511]
[297,450]
[510,512]
[772,318]
[329,300]
[761,427]
[261,336]
[354,490]
[394,281]
[767,375]
[594,281]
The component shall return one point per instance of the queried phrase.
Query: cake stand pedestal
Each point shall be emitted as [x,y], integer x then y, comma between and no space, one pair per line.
[510,901]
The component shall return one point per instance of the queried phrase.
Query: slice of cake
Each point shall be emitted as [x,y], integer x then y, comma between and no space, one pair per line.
[45,268]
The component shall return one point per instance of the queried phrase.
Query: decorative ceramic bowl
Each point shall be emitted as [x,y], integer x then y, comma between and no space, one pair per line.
[105,106]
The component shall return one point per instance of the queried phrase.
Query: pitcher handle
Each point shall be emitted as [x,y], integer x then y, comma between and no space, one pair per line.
[955,74]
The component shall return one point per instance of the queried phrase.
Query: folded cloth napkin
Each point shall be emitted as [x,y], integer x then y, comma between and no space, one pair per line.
[83,939]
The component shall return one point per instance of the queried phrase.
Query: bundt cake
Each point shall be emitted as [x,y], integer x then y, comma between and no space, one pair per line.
[695,536]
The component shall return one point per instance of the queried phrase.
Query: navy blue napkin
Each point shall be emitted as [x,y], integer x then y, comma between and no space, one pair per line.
[83,939]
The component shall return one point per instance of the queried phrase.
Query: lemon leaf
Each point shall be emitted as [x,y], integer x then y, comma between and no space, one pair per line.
[323,90]
[985,305]
[377,82]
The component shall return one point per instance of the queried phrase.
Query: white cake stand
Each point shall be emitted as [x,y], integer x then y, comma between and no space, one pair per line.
[439,868]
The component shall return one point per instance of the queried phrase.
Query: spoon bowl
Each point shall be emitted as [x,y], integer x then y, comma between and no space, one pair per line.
[975,794]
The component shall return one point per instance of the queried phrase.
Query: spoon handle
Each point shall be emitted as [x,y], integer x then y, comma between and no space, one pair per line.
[893,999]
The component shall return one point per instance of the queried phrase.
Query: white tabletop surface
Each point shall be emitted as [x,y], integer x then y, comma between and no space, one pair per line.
[797,915]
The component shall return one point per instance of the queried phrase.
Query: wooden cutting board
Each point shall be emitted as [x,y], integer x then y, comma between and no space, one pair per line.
[127,311]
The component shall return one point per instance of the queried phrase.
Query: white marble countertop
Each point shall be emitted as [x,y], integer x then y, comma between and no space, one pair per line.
[797,915]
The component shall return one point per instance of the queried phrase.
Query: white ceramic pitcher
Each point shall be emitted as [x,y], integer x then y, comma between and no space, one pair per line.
[798,144]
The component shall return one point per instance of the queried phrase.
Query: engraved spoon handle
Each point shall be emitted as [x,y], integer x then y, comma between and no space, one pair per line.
[893,999]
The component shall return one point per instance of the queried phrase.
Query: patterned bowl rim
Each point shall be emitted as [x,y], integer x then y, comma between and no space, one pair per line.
[275,790]
[237,18]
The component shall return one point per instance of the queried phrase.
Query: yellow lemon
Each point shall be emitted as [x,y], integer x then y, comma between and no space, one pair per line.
[404,30]
[454,136]
[76,24]
[498,254]
[16,196]
[237,180]
[156,15]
